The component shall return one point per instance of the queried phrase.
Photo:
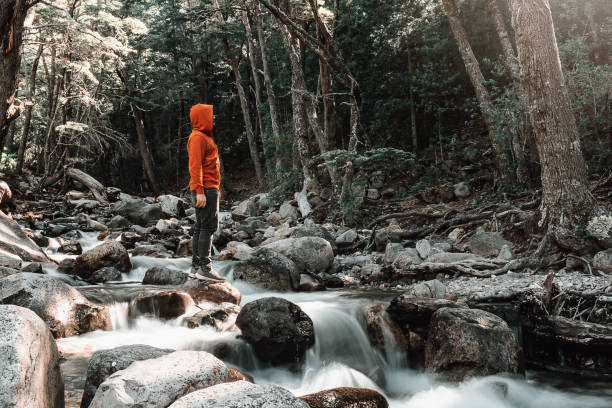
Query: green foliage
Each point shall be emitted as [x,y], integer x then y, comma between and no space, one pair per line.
[383,159]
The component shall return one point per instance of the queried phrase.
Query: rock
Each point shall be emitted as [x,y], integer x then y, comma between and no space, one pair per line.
[34,267]
[236,375]
[373,194]
[279,331]
[103,363]
[216,317]
[240,394]
[303,204]
[450,257]
[16,246]
[437,195]
[388,193]
[84,205]
[236,250]
[392,251]
[414,311]
[158,275]
[274,219]
[4,271]
[311,254]
[372,273]
[603,261]
[386,235]
[185,248]
[488,244]
[138,211]
[455,234]
[156,251]
[109,253]
[462,190]
[106,274]
[464,343]
[6,195]
[167,304]
[333,282]
[383,331]
[347,238]
[269,269]
[505,254]
[346,397]
[429,289]
[63,308]
[310,229]
[72,248]
[212,292]
[406,258]
[30,374]
[160,381]
[423,247]
[288,211]
[171,206]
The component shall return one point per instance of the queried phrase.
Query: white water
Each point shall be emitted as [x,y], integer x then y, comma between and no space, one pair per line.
[342,355]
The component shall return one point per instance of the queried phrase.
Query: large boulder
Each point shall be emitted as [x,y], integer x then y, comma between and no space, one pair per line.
[16,246]
[158,275]
[417,311]
[464,343]
[310,254]
[240,394]
[160,381]
[138,211]
[488,244]
[346,397]
[63,308]
[108,254]
[165,304]
[269,269]
[278,330]
[172,206]
[103,363]
[30,374]
[220,292]
[288,211]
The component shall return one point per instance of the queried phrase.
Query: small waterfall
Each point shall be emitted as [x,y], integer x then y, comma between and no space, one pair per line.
[119,314]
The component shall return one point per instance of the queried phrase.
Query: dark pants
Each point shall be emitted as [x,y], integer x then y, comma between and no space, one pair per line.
[207,222]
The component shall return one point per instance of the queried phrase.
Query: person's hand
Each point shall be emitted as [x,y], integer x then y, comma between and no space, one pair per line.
[201,201]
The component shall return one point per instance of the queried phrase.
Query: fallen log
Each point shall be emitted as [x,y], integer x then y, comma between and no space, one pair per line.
[95,187]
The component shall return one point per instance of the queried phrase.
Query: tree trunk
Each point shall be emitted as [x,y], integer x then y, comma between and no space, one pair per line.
[253,60]
[12,17]
[504,37]
[28,114]
[477,79]
[143,146]
[326,81]
[244,103]
[567,203]
[413,125]
[269,89]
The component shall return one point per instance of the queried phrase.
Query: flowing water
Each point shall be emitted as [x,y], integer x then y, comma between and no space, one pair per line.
[341,357]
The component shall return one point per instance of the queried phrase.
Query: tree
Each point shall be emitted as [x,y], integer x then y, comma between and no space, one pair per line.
[567,203]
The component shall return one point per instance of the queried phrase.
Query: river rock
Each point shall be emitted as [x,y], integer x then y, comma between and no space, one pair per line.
[603,261]
[311,254]
[16,246]
[236,250]
[462,190]
[279,331]
[171,206]
[392,250]
[138,211]
[310,229]
[167,304]
[415,311]
[269,269]
[464,343]
[346,397]
[30,374]
[429,289]
[106,274]
[383,331]
[158,382]
[288,211]
[488,244]
[212,292]
[4,271]
[423,247]
[63,308]
[217,317]
[406,258]
[109,253]
[103,363]
[240,394]
[158,275]
[71,247]
[119,222]
[347,237]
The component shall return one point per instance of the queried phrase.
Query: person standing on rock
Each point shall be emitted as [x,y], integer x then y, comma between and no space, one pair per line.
[204,169]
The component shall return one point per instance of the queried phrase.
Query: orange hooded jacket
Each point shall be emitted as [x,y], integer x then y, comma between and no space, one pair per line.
[204,165]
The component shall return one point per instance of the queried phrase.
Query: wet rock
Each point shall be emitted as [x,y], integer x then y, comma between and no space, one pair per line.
[103,363]
[158,382]
[384,332]
[372,273]
[72,248]
[185,248]
[154,250]
[347,237]
[462,190]
[603,261]
[488,244]
[288,211]
[34,267]
[217,317]
[346,397]
[172,206]
[39,239]
[158,275]
[212,292]
[30,374]
[110,253]
[236,375]
[16,246]
[333,282]
[464,343]
[4,271]
[66,266]
[428,289]
[279,331]
[138,211]
[423,247]
[269,269]
[311,287]
[310,229]
[414,311]
[167,304]
[312,254]
[129,239]
[106,274]
[63,308]
[240,394]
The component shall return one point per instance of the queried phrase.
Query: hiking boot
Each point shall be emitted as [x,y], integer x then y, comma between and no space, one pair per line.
[210,274]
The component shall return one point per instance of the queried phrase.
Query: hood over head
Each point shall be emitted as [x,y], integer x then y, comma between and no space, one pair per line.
[202,118]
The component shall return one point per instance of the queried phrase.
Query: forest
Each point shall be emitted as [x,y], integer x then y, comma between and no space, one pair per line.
[415,203]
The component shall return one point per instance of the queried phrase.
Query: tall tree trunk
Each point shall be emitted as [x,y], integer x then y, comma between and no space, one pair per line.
[253,61]
[179,145]
[567,203]
[477,79]
[504,37]
[244,103]
[28,114]
[326,82]
[413,125]
[269,89]
[12,17]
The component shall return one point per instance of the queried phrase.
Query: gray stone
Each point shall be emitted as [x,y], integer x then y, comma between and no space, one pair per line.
[406,258]
[346,397]
[462,190]
[158,275]
[449,257]
[423,247]
[30,374]
[158,382]
[63,308]
[347,237]
[106,274]
[391,252]
[218,317]
[165,304]
[603,261]
[288,211]
[269,269]
[505,254]
[240,394]
[110,253]
[416,311]
[429,289]
[16,246]
[172,206]
[311,254]
[139,211]
[373,194]
[488,244]
[103,363]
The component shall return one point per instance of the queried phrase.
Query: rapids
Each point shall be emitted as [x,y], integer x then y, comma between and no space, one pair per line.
[341,357]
